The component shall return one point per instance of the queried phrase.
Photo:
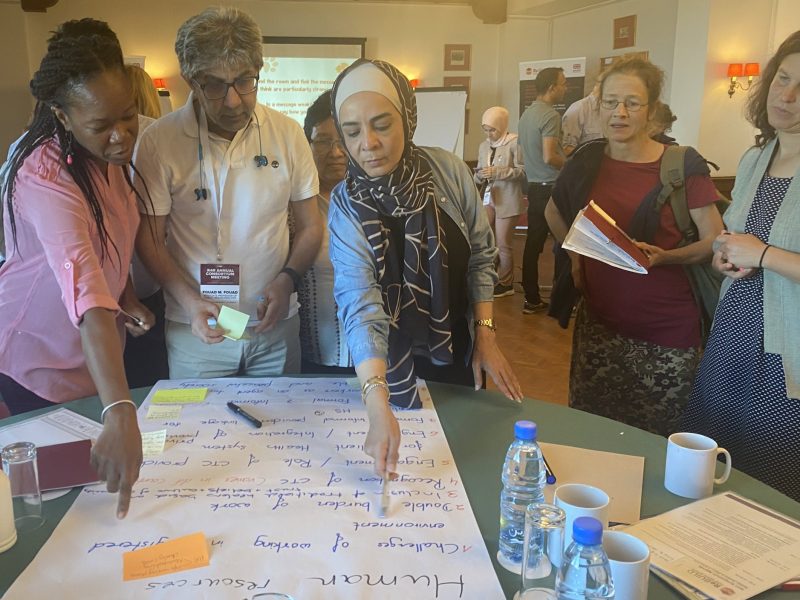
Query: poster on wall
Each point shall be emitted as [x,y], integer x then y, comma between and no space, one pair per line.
[574,71]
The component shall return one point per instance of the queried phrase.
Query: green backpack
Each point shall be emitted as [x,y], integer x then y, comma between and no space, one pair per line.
[705,280]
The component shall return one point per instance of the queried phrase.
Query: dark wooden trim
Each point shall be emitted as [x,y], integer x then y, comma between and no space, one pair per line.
[340,41]
[724,185]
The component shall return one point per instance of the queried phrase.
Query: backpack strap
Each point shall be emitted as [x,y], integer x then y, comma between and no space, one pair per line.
[674,190]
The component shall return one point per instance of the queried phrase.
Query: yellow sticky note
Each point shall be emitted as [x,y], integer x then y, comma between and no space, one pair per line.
[153,443]
[164,412]
[179,396]
[180,554]
[233,322]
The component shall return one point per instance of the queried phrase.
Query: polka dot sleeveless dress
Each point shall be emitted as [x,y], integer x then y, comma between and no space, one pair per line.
[739,398]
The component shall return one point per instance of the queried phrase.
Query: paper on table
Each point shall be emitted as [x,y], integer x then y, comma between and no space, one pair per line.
[252,491]
[233,322]
[180,554]
[725,546]
[56,427]
[618,475]
[164,412]
[180,396]
[153,443]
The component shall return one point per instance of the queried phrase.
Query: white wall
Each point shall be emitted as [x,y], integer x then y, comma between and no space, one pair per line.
[739,32]
[589,33]
[521,39]
[14,77]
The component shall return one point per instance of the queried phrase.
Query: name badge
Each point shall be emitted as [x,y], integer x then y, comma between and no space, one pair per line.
[487,195]
[220,283]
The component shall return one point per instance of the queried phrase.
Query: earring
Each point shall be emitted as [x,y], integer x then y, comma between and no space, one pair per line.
[69,148]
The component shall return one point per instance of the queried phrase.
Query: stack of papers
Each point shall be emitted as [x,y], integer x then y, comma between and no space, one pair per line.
[725,547]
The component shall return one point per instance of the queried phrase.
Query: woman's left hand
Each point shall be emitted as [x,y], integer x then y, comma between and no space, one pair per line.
[740,249]
[655,254]
[486,173]
[487,357]
[133,309]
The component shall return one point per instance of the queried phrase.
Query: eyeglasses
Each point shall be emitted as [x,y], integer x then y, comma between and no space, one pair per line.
[326,146]
[217,90]
[631,104]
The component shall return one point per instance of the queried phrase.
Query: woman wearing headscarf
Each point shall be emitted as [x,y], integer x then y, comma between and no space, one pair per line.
[413,257]
[501,174]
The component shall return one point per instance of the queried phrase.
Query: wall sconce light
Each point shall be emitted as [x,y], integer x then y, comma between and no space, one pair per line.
[736,70]
[159,83]
[414,83]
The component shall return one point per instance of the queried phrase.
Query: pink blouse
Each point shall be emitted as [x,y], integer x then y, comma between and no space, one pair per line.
[56,273]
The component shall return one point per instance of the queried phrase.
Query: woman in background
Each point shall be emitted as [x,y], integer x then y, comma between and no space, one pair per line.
[323,344]
[413,257]
[501,175]
[70,223]
[146,355]
[637,337]
[747,392]
[145,94]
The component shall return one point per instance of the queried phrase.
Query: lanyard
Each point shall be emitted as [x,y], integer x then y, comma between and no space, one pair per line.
[215,186]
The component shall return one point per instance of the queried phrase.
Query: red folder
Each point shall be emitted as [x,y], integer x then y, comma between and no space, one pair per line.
[609,228]
[65,465]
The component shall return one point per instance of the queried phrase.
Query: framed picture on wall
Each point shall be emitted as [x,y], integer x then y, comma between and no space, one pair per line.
[457,57]
[625,32]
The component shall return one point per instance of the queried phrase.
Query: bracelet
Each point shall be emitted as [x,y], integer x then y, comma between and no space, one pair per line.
[293,275]
[761,260]
[374,382]
[112,405]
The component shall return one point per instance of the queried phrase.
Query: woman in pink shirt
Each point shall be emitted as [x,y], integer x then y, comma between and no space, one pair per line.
[70,222]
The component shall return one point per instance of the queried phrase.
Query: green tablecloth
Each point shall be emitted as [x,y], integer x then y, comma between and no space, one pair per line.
[479,427]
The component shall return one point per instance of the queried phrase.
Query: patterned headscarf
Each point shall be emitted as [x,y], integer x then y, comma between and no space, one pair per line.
[416,293]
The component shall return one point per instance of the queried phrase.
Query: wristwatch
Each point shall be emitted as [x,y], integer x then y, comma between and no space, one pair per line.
[485,323]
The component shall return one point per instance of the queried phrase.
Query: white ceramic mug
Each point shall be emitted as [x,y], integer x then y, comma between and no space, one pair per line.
[581,500]
[691,465]
[629,558]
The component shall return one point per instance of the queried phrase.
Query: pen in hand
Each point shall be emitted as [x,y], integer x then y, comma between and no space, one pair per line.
[383,508]
[551,478]
[136,320]
[242,413]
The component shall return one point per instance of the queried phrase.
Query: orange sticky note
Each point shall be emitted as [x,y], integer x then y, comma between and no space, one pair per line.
[180,554]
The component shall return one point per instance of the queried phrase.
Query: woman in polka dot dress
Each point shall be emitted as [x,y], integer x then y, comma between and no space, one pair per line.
[747,392]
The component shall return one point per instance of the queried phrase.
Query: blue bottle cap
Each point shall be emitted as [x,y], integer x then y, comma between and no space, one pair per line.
[587,531]
[525,430]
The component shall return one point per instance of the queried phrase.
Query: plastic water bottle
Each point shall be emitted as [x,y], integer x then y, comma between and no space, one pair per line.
[585,573]
[524,478]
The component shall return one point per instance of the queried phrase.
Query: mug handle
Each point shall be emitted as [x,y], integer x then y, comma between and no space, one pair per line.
[728,465]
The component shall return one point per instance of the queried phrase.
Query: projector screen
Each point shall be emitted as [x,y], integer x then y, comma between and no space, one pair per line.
[297,70]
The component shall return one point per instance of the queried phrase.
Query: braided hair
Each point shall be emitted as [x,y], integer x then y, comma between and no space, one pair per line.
[76,52]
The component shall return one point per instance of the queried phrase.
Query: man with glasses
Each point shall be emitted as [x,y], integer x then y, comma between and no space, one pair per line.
[540,138]
[322,339]
[224,173]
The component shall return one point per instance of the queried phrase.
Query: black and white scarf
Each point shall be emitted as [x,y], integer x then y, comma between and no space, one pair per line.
[416,293]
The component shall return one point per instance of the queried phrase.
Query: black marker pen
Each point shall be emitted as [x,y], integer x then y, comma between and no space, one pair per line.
[241,412]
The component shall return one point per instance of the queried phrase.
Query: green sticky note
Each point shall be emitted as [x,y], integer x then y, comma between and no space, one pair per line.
[179,396]
[233,322]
